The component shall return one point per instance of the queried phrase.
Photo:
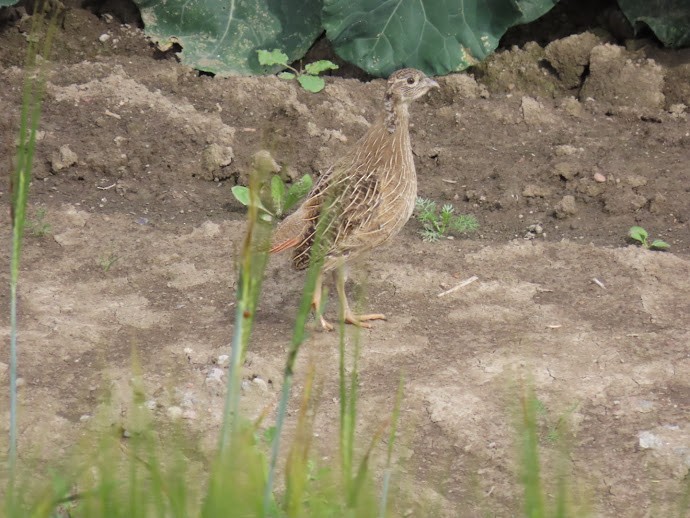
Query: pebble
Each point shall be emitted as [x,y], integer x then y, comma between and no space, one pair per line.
[598,177]
[649,441]
[104,37]
[223,360]
[535,191]
[174,412]
[215,375]
[565,170]
[261,383]
[534,230]
[636,180]
[566,207]
[63,158]
[566,149]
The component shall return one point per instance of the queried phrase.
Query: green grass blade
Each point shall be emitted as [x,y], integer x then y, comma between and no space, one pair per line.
[297,468]
[346,424]
[253,259]
[389,452]
[530,477]
[298,337]
[32,100]
[363,469]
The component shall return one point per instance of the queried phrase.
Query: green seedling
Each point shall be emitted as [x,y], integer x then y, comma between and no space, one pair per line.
[106,262]
[439,224]
[282,197]
[308,78]
[642,237]
[38,227]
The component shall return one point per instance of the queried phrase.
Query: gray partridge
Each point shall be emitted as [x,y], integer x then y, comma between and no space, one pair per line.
[366,197]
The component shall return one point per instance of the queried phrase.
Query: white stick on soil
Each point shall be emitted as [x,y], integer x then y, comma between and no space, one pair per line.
[464,283]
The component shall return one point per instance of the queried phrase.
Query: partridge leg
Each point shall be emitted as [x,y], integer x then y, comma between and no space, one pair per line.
[350,317]
[316,303]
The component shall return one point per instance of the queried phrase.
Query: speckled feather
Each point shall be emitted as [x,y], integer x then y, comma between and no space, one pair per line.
[369,194]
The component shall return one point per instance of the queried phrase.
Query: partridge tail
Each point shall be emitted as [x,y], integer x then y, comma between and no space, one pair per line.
[289,232]
[284,245]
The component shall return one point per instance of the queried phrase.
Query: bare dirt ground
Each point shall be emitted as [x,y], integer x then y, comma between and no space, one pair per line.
[584,139]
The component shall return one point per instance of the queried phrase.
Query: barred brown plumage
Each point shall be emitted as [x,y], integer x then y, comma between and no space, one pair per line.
[366,197]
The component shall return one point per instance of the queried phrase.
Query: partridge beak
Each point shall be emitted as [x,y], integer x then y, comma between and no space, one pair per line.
[431,83]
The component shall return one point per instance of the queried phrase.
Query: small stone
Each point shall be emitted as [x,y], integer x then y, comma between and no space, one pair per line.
[566,150]
[677,108]
[644,406]
[104,37]
[635,180]
[534,113]
[572,107]
[215,375]
[223,360]
[150,404]
[535,191]
[566,207]
[84,418]
[261,383]
[565,170]
[658,205]
[649,441]
[174,412]
[598,177]
[214,158]
[462,86]
[472,196]
[590,188]
[677,111]
[63,158]
[534,230]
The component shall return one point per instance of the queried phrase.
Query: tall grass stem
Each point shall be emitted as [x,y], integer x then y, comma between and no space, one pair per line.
[20,180]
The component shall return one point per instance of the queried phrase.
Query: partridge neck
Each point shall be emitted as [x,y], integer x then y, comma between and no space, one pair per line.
[397,115]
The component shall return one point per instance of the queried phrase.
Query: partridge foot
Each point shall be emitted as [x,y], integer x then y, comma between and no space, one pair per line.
[355,320]
[361,320]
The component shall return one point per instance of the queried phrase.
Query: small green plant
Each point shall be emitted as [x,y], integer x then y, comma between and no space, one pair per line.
[440,223]
[308,78]
[642,237]
[38,227]
[282,197]
[107,261]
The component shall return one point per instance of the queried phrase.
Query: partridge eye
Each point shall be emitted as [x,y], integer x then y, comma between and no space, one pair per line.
[411,80]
